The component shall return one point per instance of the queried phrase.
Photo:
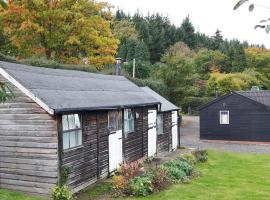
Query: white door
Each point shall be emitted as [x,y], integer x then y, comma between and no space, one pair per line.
[115,150]
[174,130]
[115,140]
[152,132]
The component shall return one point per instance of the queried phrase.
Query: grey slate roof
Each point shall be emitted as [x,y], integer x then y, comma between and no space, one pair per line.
[261,96]
[69,90]
[165,104]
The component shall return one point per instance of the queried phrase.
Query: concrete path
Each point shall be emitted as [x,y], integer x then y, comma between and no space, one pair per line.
[190,137]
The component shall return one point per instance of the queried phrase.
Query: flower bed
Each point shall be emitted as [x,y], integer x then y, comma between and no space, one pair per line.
[133,179]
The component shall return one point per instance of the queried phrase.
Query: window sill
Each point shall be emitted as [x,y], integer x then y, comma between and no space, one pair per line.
[73,148]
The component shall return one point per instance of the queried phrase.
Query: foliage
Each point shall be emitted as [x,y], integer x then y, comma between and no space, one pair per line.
[61,193]
[6,92]
[160,179]
[186,33]
[141,185]
[226,83]
[66,31]
[177,169]
[142,69]
[120,185]
[201,155]
[189,158]
[12,195]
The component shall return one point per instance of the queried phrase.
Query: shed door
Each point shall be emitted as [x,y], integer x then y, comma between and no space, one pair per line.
[174,130]
[115,140]
[152,132]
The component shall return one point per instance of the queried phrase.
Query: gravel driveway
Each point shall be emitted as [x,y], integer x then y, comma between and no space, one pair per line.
[190,138]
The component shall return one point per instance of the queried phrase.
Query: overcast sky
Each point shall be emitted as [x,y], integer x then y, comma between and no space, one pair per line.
[207,16]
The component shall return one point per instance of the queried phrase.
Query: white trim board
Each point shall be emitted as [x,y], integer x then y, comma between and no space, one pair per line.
[26,91]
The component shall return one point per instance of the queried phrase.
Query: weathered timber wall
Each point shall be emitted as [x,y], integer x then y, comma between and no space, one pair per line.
[28,146]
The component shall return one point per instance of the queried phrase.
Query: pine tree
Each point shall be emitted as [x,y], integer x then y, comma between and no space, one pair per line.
[186,33]
[141,52]
[217,40]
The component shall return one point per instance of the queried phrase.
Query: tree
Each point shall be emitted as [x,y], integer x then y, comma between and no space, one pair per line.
[207,61]
[217,40]
[179,49]
[226,83]
[64,30]
[186,33]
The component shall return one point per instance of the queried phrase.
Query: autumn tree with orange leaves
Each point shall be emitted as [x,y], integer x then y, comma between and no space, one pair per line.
[67,31]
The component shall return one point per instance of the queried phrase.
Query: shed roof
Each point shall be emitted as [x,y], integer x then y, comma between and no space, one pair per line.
[69,90]
[165,104]
[261,96]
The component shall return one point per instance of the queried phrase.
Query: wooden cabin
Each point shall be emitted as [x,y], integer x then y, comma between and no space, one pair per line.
[82,123]
[237,116]
[168,135]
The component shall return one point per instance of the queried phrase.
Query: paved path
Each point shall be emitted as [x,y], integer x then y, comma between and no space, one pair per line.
[190,138]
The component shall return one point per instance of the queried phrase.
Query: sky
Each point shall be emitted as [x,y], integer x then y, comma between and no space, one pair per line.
[207,16]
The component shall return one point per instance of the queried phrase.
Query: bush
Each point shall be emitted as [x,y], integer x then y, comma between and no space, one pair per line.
[61,193]
[160,179]
[120,185]
[177,169]
[141,185]
[189,158]
[201,155]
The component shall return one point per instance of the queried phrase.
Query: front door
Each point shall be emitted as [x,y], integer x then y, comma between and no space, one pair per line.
[152,133]
[115,140]
[174,130]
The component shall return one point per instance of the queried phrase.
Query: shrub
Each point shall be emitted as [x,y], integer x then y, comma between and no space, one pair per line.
[61,193]
[126,172]
[141,185]
[201,155]
[177,169]
[160,179]
[120,185]
[189,158]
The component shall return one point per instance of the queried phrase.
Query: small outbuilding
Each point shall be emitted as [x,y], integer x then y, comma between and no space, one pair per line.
[168,134]
[82,123]
[237,116]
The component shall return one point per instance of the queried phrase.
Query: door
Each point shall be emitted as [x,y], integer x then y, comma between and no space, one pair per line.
[174,130]
[115,140]
[152,132]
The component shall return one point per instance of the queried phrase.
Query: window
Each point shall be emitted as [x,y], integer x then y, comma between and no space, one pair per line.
[72,131]
[224,117]
[128,121]
[114,120]
[160,124]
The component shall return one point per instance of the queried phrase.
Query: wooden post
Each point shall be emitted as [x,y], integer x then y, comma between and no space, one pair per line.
[134,66]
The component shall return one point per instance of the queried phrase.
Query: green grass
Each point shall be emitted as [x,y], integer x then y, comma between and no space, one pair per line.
[10,195]
[226,176]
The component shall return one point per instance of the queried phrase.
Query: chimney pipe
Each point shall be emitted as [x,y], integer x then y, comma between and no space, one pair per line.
[118,67]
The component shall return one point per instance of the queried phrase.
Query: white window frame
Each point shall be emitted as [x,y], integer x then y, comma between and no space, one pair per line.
[220,116]
[161,123]
[129,120]
[75,132]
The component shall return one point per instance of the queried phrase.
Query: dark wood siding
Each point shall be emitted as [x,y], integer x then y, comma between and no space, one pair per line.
[90,161]
[135,143]
[249,121]
[164,140]
[28,146]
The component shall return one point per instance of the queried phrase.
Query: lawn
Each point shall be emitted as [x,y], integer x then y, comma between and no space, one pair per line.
[9,195]
[226,176]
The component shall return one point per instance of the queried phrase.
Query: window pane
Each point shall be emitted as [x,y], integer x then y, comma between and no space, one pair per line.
[66,141]
[160,124]
[79,137]
[224,117]
[71,122]
[112,121]
[77,121]
[65,122]
[72,139]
